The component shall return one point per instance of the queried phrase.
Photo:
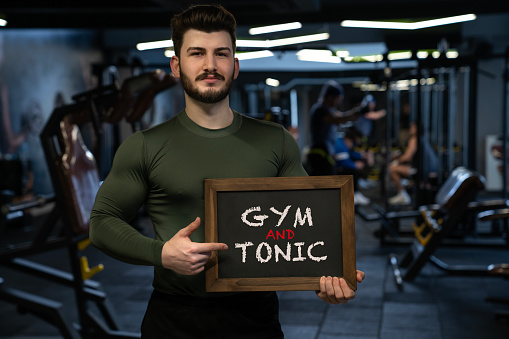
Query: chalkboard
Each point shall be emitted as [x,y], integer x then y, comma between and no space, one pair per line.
[282,233]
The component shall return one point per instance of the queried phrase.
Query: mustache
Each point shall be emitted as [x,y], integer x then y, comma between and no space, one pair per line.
[207,74]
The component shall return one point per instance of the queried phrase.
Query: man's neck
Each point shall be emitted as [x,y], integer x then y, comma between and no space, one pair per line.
[211,116]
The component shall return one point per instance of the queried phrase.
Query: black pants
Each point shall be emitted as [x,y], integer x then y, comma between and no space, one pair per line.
[250,315]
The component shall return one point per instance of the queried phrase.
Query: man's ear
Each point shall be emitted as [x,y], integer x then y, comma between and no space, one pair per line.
[236,72]
[175,66]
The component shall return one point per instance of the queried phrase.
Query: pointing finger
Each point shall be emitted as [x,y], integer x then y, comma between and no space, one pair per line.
[211,246]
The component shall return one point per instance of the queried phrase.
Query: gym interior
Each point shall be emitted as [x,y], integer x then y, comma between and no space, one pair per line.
[77,80]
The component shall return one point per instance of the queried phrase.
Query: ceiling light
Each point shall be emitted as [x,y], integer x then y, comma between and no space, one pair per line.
[253,55]
[169,53]
[282,42]
[154,44]
[422,54]
[408,25]
[376,24]
[299,39]
[317,55]
[445,21]
[435,54]
[272,82]
[342,54]
[275,28]
[3,22]
[401,55]
[365,58]
[253,43]
[246,43]
[314,52]
[451,54]
[331,59]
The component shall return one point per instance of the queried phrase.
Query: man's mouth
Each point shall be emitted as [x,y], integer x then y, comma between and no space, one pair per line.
[212,77]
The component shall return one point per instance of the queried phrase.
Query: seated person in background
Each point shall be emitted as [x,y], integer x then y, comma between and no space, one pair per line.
[402,167]
[350,162]
[325,117]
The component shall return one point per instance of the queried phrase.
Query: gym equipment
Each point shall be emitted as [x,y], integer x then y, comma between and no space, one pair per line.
[75,176]
[429,96]
[461,188]
[392,232]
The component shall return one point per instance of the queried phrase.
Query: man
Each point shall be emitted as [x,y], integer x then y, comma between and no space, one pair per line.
[325,117]
[164,167]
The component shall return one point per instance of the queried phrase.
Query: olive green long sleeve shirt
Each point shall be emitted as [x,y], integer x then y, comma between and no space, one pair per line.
[164,168]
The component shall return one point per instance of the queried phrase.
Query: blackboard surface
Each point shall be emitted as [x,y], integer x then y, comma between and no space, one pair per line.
[282,233]
[322,231]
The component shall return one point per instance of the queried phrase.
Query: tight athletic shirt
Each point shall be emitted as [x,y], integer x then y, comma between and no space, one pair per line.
[163,168]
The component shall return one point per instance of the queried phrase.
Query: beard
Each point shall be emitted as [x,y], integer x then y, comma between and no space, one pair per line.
[210,95]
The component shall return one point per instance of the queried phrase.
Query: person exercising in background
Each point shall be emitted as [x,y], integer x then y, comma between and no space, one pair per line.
[365,122]
[164,168]
[325,116]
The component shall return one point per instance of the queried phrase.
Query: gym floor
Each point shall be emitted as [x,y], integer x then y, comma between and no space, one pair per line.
[434,305]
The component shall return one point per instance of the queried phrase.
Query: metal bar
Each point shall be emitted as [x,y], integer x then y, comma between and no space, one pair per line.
[451,117]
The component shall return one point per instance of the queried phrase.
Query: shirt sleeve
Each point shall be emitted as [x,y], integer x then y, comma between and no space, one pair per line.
[117,202]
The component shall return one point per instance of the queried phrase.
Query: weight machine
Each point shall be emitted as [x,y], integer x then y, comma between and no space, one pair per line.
[438,221]
[75,176]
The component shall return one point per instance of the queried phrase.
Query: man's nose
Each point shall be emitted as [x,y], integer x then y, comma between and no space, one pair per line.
[210,64]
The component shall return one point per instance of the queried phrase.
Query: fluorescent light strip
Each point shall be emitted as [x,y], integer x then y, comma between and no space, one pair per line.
[275,28]
[451,54]
[330,59]
[445,21]
[246,43]
[422,54]
[376,24]
[342,54]
[314,52]
[253,43]
[241,56]
[317,55]
[142,46]
[299,39]
[399,55]
[408,25]
[254,55]
[283,42]
[272,82]
[3,22]
[365,58]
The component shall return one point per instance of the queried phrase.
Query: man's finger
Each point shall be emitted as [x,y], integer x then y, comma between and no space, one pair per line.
[210,246]
[189,229]
[360,276]
[348,293]
[330,291]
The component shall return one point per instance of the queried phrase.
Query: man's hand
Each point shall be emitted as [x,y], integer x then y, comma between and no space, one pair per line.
[183,256]
[336,291]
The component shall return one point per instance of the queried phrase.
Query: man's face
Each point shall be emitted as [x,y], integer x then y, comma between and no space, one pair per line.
[206,65]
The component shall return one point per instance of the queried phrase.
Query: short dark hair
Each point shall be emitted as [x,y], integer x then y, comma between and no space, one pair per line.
[206,18]
[331,88]
[352,133]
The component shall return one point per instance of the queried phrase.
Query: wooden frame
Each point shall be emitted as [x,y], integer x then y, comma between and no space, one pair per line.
[340,184]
